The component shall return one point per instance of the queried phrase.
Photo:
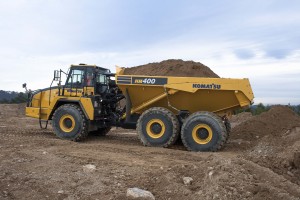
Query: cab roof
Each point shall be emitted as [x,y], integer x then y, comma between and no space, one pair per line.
[92,66]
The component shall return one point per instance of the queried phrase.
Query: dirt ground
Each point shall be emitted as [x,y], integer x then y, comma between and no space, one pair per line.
[260,161]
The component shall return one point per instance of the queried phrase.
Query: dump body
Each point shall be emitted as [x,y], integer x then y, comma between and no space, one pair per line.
[218,95]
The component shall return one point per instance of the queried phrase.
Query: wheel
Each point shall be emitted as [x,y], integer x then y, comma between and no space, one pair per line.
[70,123]
[158,127]
[101,131]
[203,131]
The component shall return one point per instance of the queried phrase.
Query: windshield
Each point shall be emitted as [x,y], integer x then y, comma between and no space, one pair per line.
[76,78]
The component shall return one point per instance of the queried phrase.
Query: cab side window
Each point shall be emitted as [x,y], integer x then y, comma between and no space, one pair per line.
[89,77]
[102,79]
[76,78]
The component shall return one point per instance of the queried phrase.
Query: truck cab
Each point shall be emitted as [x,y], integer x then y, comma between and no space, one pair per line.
[89,89]
[84,80]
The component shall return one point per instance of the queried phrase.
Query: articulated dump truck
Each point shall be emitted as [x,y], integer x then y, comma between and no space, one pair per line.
[162,109]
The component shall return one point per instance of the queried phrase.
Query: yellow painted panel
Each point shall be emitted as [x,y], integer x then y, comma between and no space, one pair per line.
[35,112]
[48,104]
[241,98]
[194,94]
[88,107]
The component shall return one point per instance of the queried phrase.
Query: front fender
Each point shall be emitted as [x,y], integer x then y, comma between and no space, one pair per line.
[85,104]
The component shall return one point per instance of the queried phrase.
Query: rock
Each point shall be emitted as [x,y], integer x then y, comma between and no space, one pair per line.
[290,173]
[210,174]
[89,168]
[187,180]
[297,160]
[60,192]
[5,193]
[186,192]
[199,193]
[215,196]
[248,194]
[139,193]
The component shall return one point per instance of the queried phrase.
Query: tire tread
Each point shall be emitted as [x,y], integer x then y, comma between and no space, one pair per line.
[167,113]
[218,119]
[84,129]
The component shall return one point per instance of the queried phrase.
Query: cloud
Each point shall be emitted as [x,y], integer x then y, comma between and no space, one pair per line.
[271,82]
[278,53]
[259,40]
[244,53]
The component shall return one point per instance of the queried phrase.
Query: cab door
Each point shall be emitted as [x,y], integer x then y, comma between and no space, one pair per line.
[75,82]
[89,84]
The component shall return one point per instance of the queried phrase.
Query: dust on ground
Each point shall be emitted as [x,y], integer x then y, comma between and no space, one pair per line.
[172,67]
[35,164]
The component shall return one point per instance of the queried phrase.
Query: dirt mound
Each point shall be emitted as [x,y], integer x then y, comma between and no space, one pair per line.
[272,140]
[276,122]
[172,67]
[239,118]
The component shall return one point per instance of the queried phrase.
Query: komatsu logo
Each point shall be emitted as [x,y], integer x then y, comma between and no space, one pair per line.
[207,86]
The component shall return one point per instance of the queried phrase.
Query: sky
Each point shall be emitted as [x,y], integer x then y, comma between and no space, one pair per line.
[254,39]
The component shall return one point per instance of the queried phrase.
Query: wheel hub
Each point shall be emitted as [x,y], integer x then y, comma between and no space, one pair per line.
[156,128]
[68,123]
[202,133]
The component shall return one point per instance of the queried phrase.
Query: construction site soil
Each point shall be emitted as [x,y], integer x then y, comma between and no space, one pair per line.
[172,67]
[260,161]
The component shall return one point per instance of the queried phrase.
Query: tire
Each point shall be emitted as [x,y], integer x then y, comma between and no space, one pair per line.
[203,131]
[101,131]
[70,123]
[158,127]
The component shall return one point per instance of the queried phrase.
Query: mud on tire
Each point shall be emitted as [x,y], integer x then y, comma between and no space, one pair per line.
[228,129]
[70,123]
[158,127]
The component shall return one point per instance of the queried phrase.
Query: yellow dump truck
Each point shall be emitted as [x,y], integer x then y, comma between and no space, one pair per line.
[162,109]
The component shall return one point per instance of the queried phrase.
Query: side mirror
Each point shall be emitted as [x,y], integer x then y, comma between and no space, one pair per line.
[56,75]
[25,87]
